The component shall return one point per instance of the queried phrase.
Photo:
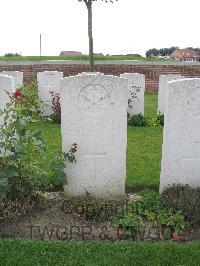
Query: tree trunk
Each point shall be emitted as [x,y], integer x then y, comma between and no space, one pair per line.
[89,8]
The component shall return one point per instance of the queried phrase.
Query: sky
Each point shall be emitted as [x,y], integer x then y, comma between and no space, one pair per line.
[126,26]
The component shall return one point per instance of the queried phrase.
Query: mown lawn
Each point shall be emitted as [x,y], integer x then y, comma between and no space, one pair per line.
[143,150]
[143,157]
[21,252]
[151,100]
[82,58]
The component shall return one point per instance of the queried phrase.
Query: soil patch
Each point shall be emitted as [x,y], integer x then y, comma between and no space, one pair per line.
[61,218]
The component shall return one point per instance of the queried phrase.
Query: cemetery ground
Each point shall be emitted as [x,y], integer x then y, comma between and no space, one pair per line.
[55,218]
[143,149]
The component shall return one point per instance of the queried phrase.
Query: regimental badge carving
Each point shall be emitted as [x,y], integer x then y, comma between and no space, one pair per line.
[94,98]
[193,102]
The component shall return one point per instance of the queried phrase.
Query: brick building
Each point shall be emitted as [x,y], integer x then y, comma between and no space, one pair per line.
[185,55]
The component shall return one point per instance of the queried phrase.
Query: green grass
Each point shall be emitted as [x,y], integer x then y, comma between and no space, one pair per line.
[82,58]
[21,252]
[143,157]
[143,150]
[151,100]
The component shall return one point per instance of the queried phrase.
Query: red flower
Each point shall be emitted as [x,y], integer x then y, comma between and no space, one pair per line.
[18,94]
[73,148]
[175,236]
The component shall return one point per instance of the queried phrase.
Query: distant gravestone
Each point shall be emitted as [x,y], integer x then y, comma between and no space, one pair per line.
[136,92]
[48,81]
[94,115]
[7,85]
[181,141]
[17,75]
[163,85]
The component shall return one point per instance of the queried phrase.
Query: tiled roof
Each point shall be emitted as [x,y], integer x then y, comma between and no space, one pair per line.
[186,53]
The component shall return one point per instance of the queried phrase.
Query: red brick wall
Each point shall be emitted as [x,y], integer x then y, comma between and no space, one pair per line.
[151,71]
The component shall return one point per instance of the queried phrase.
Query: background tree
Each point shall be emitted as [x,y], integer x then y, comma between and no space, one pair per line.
[89,8]
[162,51]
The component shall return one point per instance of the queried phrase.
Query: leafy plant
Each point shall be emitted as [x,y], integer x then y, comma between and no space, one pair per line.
[128,224]
[56,116]
[170,224]
[19,169]
[160,119]
[23,150]
[29,104]
[151,209]
[138,121]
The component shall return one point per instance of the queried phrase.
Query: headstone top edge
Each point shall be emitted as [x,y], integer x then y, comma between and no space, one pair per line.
[133,74]
[6,76]
[101,75]
[12,71]
[170,75]
[49,72]
[183,80]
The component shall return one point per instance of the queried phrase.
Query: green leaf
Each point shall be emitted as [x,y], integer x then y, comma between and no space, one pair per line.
[19,148]
[5,173]
[19,124]
[4,182]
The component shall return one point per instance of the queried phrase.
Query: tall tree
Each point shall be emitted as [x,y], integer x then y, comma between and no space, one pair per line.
[89,8]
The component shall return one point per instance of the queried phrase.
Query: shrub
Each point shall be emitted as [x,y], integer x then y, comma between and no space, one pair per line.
[138,121]
[29,104]
[185,199]
[12,54]
[160,119]
[23,150]
[153,122]
[56,116]
[19,142]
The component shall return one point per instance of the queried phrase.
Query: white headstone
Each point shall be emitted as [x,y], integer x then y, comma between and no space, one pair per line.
[94,115]
[136,92]
[48,81]
[181,140]
[7,85]
[163,85]
[17,75]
